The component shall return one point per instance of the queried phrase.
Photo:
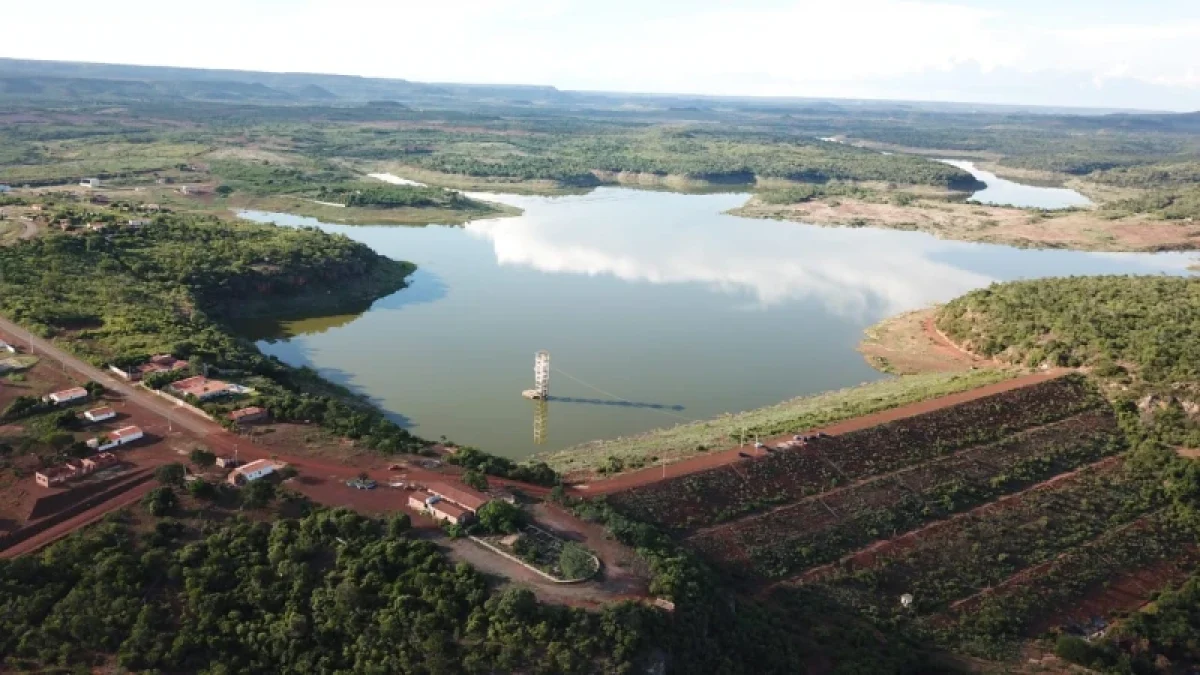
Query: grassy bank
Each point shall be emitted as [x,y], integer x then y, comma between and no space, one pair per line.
[372,216]
[695,438]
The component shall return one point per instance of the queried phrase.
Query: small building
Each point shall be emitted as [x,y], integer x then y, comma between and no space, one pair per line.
[96,227]
[139,223]
[419,500]
[447,512]
[6,348]
[100,414]
[54,476]
[99,462]
[89,183]
[201,387]
[253,471]
[195,190]
[159,363]
[463,496]
[227,462]
[115,439]
[68,395]
[438,508]
[248,415]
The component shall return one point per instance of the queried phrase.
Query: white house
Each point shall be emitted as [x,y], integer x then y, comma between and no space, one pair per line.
[7,348]
[89,182]
[100,414]
[67,395]
[114,439]
[253,471]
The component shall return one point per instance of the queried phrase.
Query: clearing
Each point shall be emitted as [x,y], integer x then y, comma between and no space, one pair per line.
[1077,229]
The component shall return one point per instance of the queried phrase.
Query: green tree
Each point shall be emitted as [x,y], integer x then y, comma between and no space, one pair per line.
[202,458]
[258,494]
[575,561]
[161,501]
[475,479]
[171,474]
[500,517]
[201,489]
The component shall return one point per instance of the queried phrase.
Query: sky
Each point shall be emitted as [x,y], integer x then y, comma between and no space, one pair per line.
[1092,53]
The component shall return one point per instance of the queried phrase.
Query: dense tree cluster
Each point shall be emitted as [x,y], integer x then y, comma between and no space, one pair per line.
[1136,332]
[1145,325]
[168,288]
[334,592]
[538,473]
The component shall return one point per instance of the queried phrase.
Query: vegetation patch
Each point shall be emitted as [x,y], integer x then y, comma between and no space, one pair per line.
[798,414]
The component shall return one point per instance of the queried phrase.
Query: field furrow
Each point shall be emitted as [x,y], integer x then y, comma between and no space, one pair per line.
[823,528]
[987,547]
[707,498]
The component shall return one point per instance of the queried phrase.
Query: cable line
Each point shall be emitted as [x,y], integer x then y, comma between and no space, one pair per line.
[614,396]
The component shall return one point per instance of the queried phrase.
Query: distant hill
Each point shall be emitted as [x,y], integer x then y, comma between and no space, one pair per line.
[71,80]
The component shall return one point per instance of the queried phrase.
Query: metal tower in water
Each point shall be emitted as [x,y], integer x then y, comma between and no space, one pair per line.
[541,377]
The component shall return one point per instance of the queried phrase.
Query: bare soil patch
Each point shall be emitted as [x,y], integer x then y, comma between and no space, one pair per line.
[1081,230]
[909,343]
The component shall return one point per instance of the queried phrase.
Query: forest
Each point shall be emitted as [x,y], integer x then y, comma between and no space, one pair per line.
[1138,333]
[331,592]
[126,294]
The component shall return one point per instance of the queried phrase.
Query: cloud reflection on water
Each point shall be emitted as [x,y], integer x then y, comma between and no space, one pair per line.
[850,271]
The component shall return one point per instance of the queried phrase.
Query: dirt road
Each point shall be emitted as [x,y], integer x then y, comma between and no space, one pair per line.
[53,534]
[712,460]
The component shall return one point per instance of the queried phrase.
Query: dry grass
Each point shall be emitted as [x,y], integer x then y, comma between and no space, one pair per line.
[1081,230]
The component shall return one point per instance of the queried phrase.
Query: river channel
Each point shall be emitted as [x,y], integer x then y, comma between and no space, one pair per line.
[656,308]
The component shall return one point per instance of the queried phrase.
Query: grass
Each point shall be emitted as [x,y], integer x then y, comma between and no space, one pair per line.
[17,363]
[369,216]
[71,160]
[695,438]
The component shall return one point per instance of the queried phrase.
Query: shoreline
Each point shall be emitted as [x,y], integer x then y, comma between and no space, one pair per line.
[1076,229]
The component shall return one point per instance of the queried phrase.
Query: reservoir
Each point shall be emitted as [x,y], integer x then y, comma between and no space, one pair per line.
[1004,192]
[656,308]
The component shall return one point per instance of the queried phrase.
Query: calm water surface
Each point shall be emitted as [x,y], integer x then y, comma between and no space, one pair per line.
[655,298]
[1004,192]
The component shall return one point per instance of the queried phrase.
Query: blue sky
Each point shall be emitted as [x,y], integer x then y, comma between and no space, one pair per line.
[1108,53]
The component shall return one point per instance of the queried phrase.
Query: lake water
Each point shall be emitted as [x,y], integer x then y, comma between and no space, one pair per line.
[656,308]
[1004,192]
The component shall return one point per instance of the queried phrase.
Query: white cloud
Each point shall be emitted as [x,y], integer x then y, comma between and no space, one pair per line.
[756,47]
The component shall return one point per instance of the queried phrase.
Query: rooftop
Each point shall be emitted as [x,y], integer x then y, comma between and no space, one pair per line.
[73,392]
[463,496]
[257,465]
[418,494]
[199,385]
[125,432]
[252,411]
[453,510]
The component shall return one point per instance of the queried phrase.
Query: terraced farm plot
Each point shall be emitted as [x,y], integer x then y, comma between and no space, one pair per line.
[711,497]
[950,561]
[1077,585]
[824,527]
